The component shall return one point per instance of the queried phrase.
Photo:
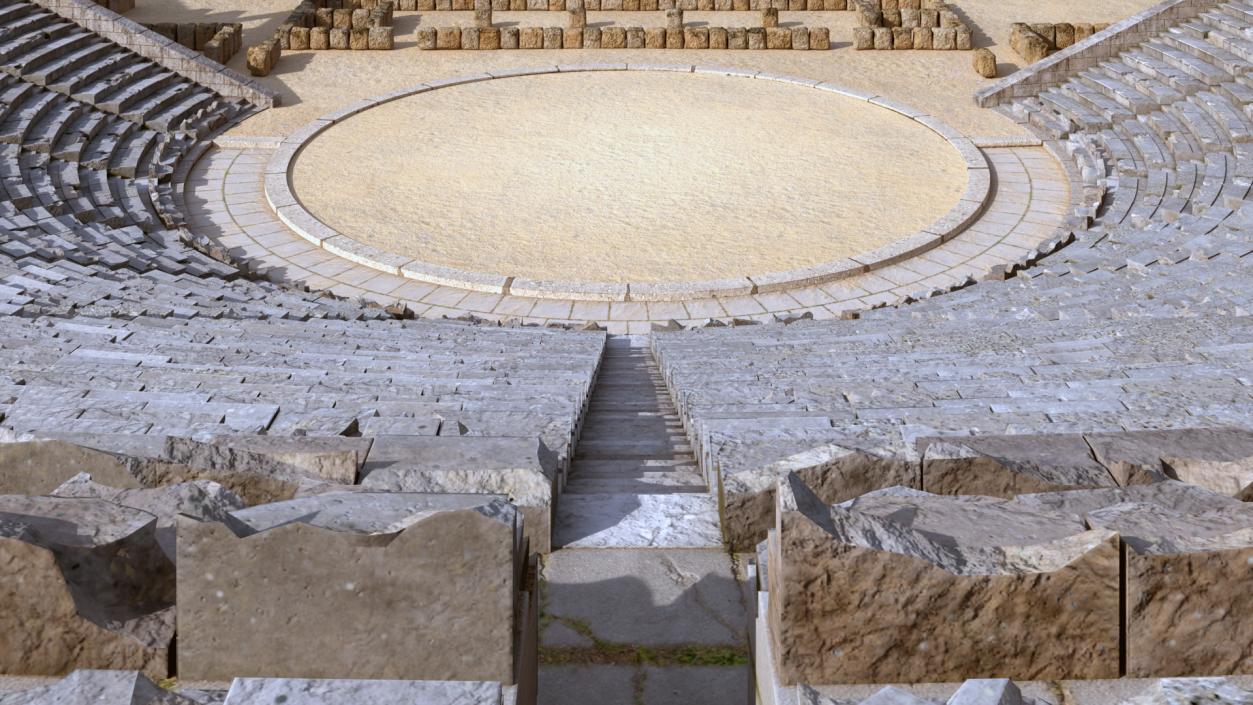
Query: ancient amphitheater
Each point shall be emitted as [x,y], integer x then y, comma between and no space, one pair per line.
[626,352]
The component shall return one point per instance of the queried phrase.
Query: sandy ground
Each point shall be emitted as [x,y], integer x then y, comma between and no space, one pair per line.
[590,176]
[941,82]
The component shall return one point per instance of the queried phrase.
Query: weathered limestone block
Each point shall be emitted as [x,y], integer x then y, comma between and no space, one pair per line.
[1046,30]
[1007,466]
[531,38]
[1027,43]
[319,38]
[613,38]
[756,38]
[202,499]
[470,38]
[448,38]
[510,37]
[674,19]
[635,37]
[591,37]
[572,38]
[746,489]
[86,586]
[97,687]
[944,39]
[427,38]
[899,589]
[963,39]
[522,469]
[882,38]
[259,594]
[38,467]
[820,38]
[263,57]
[922,37]
[1063,34]
[489,38]
[578,18]
[737,38]
[863,38]
[339,38]
[324,17]
[359,39]
[892,18]
[778,38]
[717,38]
[769,17]
[928,18]
[696,37]
[902,38]
[655,37]
[949,19]
[299,38]
[1216,459]
[296,691]
[800,38]
[911,17]
[1186,569]
[255,478]
[552,37]
[381,38]
[482,13]
[984,62]
[1083,30]
[342,18]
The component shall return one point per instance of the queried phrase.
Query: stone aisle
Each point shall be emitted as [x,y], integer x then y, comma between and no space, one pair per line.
[642,604]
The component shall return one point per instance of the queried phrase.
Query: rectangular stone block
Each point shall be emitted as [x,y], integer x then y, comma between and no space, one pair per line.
[737,38]
[510,37]
[1083,30]
[696,37]
[339,38]
[635,37]
[572,38]
[717,37]
[674,38]
[756,37]
[577,19]
[1063,34]
[819,38]
[947,593]
[613,38]
[427,38]
[911,18]
[381,38]
[674,19]
[769,17]
[299,38]
[778,38]
[448,38]
[483,18]
[902,38]
[352,557]
[552,37]
[922,38]
[883,38]
[359,39]
[489,38]
[591,38]
[470,38]
[892,19]
[944,38]
[342,19]
[531,38]
[962,39]
[928,18]
[800,38]
[863,38]
[324,17]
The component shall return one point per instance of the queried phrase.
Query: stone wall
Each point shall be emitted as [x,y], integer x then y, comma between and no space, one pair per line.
[216,40]
[1058,68]
[155,47]
[909,24]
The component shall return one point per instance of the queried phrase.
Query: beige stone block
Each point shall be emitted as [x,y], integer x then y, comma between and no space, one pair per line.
[948,18]
[613,38]
[800,38]
[530,37]
[883,38]
[489,38]
[342,19]
[911,18]
[324,17]
[1046,30]
[674,37]
[1027,43]
[902,38]
[778,38]
[351,558]
[470,38]
[944,38]
[448,38]
[737,38]
[696,37]
[769,17]
[299,38]
[723,5]
[922,37]
[1063,34]
[1099,27]
[427,38]
[741,5]
[863,38]
[963,39]
[577,19]
[591,38]
[649,5]
[892,19]
[381,38]
[339,38]
[655,37]
[631,5]
[510,37]
[944,586]
[717,37]
[572,38]
[819,38]
[426,5]
[39,467]
[552,37]
[359,39]
[674,19]
[635,37]
[984,62]
[261,58]
[705,5]
[928,18]
[360,19]
[1083,30]
[483,17]
[756,37]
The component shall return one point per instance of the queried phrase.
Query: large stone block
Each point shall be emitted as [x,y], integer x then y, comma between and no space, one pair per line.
[778,38]
[263,593]
[1186,566]
[905,587]
[97,687]
[984,62]
[1007,466]
[613,37]
[863,38]
[696,37]
[1216,459]
[86,586]
[521,469]
[746,486]
[1028,43]
[530,37]
[38,467]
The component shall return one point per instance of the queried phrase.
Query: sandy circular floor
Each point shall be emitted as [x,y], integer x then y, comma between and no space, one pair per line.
[628,176]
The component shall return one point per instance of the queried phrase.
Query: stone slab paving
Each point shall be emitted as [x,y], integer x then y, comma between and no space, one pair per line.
[639,520]
[226,201]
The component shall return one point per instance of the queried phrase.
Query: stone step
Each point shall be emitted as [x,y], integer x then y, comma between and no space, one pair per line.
[679,520]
